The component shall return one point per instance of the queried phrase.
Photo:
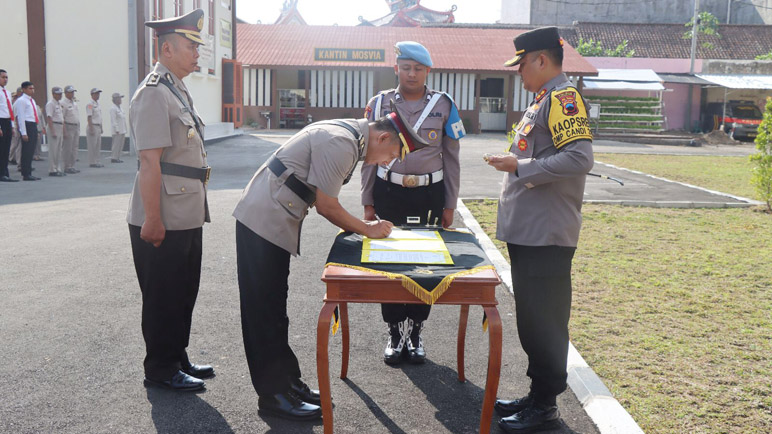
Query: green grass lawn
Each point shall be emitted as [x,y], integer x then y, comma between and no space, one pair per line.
[673,309]
[725,174]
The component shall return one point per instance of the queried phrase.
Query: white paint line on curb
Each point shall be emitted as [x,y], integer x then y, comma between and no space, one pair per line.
[740,198]
[604,410]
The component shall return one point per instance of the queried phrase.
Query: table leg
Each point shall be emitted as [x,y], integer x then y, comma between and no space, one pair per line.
[461,342]
[494,367]
[323,363]
[345,333]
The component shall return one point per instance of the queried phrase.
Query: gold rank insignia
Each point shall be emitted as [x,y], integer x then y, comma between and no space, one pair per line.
[191,133]
[541,94]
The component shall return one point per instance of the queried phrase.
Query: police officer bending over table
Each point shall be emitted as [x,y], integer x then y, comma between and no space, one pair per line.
[309,170]
[539,217]
[168,205]
[423,186]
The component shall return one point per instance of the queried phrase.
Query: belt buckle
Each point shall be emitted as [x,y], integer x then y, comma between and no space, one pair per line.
[208,172]
[409,180]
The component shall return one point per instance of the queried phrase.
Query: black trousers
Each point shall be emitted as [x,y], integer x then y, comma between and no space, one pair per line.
[541,279]
[263,270]
[396,203]
[5,145]
[28,148]
[169,277]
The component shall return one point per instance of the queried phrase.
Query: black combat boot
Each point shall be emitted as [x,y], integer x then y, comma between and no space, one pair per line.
[393,352]
[415,345]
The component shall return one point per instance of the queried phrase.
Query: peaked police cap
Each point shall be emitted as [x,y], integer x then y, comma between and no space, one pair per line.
[188,25]
[542,38]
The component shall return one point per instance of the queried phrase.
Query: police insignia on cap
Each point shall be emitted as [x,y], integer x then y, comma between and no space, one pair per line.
[543,38]
[188,26]
[397,51]
[200,23]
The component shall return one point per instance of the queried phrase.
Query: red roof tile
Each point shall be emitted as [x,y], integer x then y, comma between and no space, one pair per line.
[452,49]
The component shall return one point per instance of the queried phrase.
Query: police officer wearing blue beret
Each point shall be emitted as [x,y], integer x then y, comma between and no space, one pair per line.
[423,185]
[539,216]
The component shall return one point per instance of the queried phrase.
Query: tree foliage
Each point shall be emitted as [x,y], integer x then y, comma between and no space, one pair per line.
[767,56]
[762,160]
[594,48]
[707,24]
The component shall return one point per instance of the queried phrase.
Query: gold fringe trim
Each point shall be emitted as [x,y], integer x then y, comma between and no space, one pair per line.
[428,297]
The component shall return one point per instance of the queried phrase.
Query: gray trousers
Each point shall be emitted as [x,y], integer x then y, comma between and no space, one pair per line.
[118,140]
[70,145]
[94,143]
[55,140]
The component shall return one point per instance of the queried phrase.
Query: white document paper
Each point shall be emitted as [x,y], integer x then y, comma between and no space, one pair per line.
[401,234]
[407,245]
[396,257]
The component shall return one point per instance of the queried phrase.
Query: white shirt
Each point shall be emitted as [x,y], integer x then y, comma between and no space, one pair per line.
[25,112]
[5,99]
[118,120]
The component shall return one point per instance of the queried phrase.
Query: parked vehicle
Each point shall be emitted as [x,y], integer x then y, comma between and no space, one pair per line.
[741,121]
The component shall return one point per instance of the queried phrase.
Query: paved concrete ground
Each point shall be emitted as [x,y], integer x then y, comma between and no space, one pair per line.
[69,321]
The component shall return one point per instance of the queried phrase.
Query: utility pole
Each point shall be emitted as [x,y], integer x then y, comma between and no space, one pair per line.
[728,10]
[695,19]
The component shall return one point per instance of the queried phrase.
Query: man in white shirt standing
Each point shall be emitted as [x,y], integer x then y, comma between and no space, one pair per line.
[118,122]
[55,118]
[6,128]
[94,129]
[27,119]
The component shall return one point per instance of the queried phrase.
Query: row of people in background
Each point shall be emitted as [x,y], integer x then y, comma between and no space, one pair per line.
[23,124]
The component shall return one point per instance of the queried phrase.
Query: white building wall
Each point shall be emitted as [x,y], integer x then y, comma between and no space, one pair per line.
[87,51]
[15,51]
[516,11]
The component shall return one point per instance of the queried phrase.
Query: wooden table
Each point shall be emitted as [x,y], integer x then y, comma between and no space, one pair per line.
[346,285]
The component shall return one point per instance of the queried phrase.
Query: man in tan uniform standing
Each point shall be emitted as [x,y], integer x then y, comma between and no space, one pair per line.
[308,170]
[55,118]
[94,129]
[118,126]
[71,130]
[539,217]
[168,205]
[423,186]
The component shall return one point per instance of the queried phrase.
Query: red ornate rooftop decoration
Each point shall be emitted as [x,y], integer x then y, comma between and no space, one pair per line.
[410,13]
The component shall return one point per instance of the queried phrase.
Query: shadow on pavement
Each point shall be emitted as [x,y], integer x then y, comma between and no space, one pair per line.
[175,412]
[282,426]
[374,408]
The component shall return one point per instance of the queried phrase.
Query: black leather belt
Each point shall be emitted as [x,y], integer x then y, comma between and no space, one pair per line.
[294,184]
[57,123]
[71,123]
[200,173]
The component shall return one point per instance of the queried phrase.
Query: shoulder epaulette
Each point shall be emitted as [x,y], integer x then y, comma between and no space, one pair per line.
[153,79]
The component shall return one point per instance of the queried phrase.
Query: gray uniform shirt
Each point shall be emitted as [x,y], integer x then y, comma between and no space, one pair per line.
[541,204]
[70,108]
[159,120]
[54,110]
[442,152]
[320,156]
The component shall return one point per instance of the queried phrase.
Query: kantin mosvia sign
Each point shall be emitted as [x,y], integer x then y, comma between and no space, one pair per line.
[350,54]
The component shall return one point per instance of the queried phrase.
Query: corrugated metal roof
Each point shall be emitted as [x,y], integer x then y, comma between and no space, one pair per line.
[739,81]
[452,49]
[682,79]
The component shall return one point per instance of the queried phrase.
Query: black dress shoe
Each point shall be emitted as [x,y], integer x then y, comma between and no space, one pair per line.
[31,178]
[305,393]
[7,179]
[115,160]
[535,417]
[288,406]
[96,165]
[392,355]
[199,371]
[506,408]
[55,174]
[180,382]
[71,170]
[416,353]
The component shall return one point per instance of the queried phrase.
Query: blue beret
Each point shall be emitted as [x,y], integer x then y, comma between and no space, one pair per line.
[413,51]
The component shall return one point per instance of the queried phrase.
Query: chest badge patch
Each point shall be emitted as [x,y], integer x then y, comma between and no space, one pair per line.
[535,107]
[522,145]
[191,133]
[527,129]
[433,135]
[568,102]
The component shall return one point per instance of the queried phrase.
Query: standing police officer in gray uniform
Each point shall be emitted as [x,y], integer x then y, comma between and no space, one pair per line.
[423,186]
[309,170]
[539,217]
[168,205]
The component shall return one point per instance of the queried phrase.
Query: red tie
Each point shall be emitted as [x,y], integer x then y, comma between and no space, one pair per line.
[34,110]
[7,101]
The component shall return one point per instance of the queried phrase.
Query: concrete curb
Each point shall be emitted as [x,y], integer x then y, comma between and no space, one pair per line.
[598,402]
[719,193]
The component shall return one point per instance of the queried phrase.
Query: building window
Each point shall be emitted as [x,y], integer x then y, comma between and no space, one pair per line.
[178,8]
[196,4]
[157,14]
